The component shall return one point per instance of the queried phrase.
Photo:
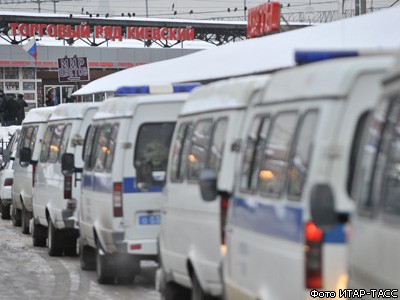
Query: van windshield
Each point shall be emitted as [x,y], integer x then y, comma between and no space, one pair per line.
[152,148]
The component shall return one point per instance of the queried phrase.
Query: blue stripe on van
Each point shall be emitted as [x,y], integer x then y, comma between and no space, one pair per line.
[276,220]
[97,183]
[130,187]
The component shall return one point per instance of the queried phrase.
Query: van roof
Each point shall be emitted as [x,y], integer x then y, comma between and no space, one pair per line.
[124,107]
[38,115]
[72,110]
[227,94]
[327,79]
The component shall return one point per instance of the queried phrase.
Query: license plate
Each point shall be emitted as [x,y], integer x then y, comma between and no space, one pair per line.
[149,220]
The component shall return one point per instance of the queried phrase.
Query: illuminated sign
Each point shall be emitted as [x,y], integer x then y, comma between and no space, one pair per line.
[263,19]
[107,32]
[73,69]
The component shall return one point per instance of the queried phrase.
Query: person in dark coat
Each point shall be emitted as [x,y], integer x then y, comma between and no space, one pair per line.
[2,99]
[10,108]
[21,112]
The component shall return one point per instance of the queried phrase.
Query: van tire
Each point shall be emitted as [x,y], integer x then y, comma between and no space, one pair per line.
[53,237]
[70,248]
[103,269]
[5,212]
[25,217]
[39,235]
[87,256]
[127,279]
[15,216]
[173,291]
[197,291]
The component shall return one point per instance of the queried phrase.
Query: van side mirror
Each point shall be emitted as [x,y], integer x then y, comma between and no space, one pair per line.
[25,157]
[6,155]
[322,207]
[67,164]
[208,185]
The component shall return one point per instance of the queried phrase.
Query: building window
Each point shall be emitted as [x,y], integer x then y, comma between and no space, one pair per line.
[11,73]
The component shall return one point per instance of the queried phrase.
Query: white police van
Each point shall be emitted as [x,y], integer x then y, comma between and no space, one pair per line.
[192,241]
[55,195]
[7,174]
[374,264]
[125,154]
[286,228]
[28,152]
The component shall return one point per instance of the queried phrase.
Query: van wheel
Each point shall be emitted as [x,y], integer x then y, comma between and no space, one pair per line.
[39,235]
[173,291]
[25,217]
[53,246]
[126,279]
[103,269]
[15,216]
[87,257]
[197,291]
[5,212]
[70,249]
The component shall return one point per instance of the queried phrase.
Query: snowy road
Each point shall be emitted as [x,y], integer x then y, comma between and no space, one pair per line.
[29,273]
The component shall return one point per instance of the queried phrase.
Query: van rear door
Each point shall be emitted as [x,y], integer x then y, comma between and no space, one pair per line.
[144,174]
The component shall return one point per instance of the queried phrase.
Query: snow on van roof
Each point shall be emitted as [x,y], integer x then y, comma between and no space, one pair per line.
[228,94]
[333,78]
[38,115]
[72,110]
[374,31]
[124,107]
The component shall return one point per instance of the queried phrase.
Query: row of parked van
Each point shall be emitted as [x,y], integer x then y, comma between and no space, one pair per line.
[247,188]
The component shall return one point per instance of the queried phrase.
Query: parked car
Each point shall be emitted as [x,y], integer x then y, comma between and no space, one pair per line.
[7,175]
[56,195]
[375,232]
[27,156]
[207,136]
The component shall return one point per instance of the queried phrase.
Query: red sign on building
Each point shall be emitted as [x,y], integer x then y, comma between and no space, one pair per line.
[263,19]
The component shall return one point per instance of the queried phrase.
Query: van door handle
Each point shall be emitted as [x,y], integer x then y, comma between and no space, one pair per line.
[164,212]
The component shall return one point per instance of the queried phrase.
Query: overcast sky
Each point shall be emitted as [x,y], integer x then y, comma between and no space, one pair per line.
[194,9]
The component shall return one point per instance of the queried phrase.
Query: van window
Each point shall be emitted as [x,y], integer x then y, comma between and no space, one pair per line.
[44,154]
[56,142]
[64,141]
[217,145]
[274,163]
[362,186]
[197,157]
[389,164]
[180,152]
[112,141]
[102,151]
[300,161]
[28,137]
[355,148]
[252,154]
[88,147]
[152,148]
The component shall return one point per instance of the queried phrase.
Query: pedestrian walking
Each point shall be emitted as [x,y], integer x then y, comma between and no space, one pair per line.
[10,108]
[21,112]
